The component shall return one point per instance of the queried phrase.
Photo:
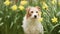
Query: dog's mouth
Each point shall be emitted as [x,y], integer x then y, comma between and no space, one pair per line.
[35,17]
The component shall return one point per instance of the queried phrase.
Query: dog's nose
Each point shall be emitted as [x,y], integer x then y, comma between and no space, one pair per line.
[35,16]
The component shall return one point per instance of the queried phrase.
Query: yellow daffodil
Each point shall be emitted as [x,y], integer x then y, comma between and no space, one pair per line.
[59,3]
[21,7]
[54,1]
[23,2]
[40,19]
[14,7]
[45,6]
[7,2]
[54,20]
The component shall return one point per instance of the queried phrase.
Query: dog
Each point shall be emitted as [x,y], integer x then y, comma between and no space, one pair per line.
[31,25]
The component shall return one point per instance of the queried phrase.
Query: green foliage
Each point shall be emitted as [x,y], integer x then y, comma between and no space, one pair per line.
[11,21]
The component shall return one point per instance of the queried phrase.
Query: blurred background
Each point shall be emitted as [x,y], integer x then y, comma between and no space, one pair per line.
[13,11]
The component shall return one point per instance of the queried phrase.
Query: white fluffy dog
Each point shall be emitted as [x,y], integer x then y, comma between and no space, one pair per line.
[31,25]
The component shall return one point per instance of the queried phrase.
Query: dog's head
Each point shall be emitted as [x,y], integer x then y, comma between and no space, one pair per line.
[33,12]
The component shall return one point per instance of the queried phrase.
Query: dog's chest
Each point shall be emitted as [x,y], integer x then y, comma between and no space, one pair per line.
[33,26]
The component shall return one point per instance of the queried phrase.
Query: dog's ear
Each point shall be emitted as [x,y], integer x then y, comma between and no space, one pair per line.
[38,7]
[28,8]
[27,11]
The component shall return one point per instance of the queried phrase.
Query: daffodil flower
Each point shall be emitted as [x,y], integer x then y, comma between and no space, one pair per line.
[45,6]
[54,1]
[21,7]
[54,20]
[23,2]
[59,3]
[14,7]
[40,19]
[7,2]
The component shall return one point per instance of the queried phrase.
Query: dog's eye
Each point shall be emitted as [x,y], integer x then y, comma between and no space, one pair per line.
[31,11]
[36,11]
